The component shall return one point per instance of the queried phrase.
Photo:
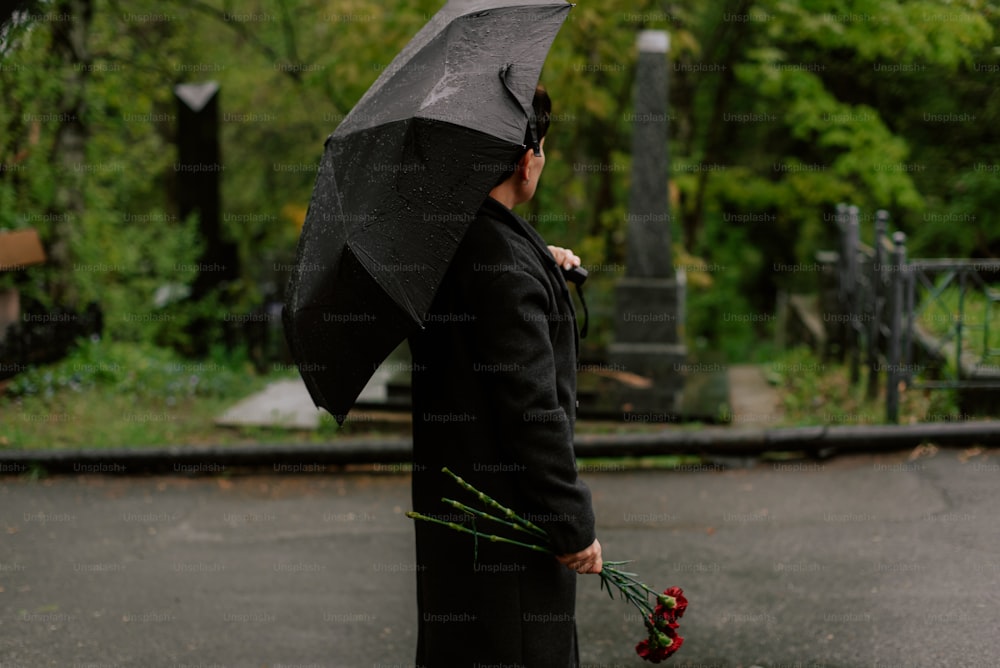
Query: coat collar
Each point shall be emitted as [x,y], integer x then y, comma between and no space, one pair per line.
[500,212]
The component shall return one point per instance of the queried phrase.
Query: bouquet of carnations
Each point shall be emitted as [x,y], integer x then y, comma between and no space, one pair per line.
[660,611]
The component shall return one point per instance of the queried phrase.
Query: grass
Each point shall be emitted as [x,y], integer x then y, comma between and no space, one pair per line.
[110,395]
[820,393]
[103,417]
[113,395]
[979,316]
[656,462]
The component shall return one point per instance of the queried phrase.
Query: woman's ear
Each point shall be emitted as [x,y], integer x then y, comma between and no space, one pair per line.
[524,166]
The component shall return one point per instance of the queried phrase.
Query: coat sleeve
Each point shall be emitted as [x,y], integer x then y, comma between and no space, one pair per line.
[516,358]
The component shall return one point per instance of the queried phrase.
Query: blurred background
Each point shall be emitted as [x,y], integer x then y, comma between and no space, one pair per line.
[779,110]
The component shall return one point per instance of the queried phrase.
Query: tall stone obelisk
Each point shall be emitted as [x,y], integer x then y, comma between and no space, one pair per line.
[650,298]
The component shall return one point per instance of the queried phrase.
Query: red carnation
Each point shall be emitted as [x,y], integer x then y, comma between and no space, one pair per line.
[671,604]
[663,616]
[681,602]
[659,646]
[662,619]
[650,652]
[644,651]
[676,645]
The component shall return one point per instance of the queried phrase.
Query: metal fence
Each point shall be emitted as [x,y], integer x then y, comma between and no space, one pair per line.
[910,319]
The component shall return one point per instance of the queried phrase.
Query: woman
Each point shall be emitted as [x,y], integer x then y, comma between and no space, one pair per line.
[494,399]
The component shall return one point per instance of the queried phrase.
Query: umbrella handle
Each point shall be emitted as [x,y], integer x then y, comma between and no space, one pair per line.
[576,275]
[529,110]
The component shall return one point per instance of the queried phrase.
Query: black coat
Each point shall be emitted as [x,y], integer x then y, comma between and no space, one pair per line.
[494,399]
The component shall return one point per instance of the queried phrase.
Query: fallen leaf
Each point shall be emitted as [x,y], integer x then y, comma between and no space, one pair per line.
[927,450]
[969,453]
[626,377]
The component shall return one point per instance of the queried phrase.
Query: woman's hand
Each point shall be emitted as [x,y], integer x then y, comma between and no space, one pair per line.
[587,561]
[564,257]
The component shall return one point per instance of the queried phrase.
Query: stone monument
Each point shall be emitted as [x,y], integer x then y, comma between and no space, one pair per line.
[650,298]
[199,174]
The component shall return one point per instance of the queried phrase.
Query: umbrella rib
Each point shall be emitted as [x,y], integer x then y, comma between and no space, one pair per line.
[407,304]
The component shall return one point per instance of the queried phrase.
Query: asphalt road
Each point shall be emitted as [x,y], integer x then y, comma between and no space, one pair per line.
[880,562]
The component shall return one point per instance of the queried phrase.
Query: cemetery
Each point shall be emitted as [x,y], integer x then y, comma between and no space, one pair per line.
[228,238]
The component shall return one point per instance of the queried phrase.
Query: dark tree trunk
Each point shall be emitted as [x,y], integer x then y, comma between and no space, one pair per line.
[69,152]
[717,138]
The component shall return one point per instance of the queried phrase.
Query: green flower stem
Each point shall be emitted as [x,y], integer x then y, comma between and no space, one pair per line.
[627,587]
[486,516]
[628,590]
[492,503]
[639,605]
[635,583]
[609,575]
[478,534]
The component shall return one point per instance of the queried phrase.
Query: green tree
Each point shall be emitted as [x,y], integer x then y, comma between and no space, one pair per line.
[779,110]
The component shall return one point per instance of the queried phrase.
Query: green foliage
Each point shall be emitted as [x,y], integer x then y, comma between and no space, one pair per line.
[819,392]
[779,110]
[974,313]
[973,208]
[722,316]
[135,370]
[127,244]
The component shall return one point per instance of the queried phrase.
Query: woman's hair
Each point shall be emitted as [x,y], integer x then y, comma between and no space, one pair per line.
[542,104]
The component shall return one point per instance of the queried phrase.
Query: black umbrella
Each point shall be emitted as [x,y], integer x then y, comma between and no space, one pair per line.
[401,179]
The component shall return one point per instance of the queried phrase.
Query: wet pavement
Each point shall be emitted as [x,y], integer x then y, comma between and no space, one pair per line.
[876,561]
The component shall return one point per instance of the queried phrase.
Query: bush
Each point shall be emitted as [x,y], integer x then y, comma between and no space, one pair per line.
[142,370]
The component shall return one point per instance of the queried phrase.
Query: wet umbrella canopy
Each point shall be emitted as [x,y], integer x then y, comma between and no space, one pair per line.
[400,181]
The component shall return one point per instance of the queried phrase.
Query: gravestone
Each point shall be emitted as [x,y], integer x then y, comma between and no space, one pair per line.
[199,171]
[650,298]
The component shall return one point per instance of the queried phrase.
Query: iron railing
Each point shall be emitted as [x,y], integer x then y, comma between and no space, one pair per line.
[884,301]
